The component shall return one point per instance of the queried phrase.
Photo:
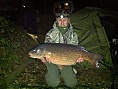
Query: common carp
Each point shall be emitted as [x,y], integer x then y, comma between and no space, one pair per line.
[64,54]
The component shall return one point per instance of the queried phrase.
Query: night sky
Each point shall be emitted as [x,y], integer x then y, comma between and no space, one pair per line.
[46,6]
[78,4]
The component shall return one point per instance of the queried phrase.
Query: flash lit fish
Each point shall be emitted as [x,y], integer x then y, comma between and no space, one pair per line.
[64,54]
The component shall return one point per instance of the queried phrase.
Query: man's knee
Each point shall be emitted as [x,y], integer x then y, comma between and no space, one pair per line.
[53,75]
[69,76]
[52,83]
[71,83]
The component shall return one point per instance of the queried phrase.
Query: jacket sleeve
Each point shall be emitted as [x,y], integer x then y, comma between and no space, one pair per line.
[74,39]
[49,37]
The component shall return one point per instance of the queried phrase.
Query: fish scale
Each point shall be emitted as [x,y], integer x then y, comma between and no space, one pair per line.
[64,54]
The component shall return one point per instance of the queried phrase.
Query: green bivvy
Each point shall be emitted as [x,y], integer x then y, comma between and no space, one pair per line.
[91,33]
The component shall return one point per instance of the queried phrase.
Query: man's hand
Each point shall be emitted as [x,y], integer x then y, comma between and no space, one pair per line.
[44,60]
[80,59]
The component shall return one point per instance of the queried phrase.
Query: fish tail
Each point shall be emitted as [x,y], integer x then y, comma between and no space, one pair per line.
[96,59]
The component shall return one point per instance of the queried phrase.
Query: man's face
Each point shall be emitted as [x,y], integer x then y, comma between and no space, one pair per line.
[62,22]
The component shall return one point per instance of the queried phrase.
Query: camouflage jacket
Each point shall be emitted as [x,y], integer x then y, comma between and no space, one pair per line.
[55,36]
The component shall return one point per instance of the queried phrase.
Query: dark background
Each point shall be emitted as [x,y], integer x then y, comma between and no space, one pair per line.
[46,6]
[14,8]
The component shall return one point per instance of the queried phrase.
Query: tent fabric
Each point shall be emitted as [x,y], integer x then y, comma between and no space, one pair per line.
[91,34]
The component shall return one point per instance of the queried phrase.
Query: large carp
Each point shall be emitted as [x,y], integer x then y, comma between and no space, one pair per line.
[64,54]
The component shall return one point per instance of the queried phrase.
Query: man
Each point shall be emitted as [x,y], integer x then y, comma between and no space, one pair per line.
[62,32]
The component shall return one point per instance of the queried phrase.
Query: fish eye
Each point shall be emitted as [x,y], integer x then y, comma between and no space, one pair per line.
[34,50]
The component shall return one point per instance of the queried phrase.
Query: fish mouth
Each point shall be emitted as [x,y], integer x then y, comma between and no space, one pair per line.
[30,55]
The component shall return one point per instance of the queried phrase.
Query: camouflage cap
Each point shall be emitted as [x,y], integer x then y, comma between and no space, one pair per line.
[62,9]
